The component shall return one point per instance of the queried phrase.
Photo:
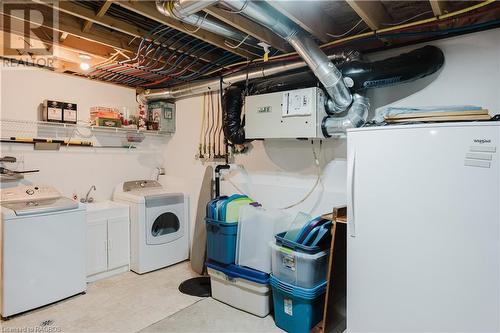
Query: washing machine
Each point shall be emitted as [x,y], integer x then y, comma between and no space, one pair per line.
[43,246]
[159,224]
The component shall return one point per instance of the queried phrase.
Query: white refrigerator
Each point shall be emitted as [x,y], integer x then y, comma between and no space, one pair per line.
[423,252]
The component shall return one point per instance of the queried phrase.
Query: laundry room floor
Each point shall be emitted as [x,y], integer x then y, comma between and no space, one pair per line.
[125,303]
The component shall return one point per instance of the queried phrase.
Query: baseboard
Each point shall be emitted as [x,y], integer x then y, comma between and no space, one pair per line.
[107,274]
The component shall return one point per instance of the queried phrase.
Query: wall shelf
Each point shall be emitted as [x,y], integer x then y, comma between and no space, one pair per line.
[30,125]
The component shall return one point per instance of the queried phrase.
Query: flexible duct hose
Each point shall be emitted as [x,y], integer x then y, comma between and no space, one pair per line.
[405,67]
[234,127]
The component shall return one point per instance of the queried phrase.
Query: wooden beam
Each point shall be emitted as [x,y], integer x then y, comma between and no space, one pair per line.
[438,7]
[373,13]
[309,16]
[60,55]
[148,10]
[121,26]
[71,25]
[249,27]
[100,13]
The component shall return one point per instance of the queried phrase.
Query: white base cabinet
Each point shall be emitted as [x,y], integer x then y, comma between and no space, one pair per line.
[108,242]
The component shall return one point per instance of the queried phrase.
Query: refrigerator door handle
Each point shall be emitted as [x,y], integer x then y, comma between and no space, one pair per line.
[350,193]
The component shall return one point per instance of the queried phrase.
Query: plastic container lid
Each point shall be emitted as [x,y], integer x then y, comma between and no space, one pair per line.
[282,241]
[304,293]
[235,271]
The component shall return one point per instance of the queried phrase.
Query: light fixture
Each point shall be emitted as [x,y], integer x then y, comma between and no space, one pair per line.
[84,65]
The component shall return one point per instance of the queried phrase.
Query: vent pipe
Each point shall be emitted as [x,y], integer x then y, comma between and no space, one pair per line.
[265,15]
[304,45]
[187,11]
[204,86]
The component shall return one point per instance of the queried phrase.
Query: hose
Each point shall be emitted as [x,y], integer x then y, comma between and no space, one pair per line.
[232,103]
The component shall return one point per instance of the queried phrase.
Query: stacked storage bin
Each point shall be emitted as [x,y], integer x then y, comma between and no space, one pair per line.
[241,287]
[298,283]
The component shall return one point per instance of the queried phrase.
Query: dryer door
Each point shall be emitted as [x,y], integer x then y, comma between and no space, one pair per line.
[165,219]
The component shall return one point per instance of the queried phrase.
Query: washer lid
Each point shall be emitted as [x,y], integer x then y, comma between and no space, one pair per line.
[41,206]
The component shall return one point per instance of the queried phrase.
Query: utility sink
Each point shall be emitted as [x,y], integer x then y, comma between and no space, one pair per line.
[106,209]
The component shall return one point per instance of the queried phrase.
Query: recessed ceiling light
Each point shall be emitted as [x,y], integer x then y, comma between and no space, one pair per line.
[84,66]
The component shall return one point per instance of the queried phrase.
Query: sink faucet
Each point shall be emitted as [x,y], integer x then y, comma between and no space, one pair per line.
[87,198]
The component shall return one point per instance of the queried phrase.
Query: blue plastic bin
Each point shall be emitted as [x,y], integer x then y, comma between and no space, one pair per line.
[297,310]
[282,241]
[221,241]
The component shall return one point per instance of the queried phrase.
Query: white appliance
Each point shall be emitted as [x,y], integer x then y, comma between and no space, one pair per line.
[423,228]
[287,114]
[159,224]
[43,248]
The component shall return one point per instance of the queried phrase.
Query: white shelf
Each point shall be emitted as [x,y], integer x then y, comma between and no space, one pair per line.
[13,124]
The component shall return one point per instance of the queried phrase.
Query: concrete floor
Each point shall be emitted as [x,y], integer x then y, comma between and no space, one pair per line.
[209,315]
[125,303]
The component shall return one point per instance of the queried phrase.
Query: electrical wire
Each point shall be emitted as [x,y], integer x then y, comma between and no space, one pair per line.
[318,178]
[237,11]
[308,194]
[198,27]
[239,44]
[347,32]
[407,20]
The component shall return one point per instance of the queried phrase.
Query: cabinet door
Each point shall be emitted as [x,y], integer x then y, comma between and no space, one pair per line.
[97,246]
[118,242]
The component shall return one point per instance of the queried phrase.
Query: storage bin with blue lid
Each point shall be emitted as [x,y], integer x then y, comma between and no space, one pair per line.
[241,287]
[221,241]
[298,268]
[282,241]
[297,310]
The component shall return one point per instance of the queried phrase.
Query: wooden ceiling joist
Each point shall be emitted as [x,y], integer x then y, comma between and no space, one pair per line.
[148,10]
[120,26]
[100,13]
[72,25]
[308,17]
[373,13]
[438,7]
[247,26]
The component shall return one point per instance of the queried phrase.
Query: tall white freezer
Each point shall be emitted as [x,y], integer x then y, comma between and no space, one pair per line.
[423,228]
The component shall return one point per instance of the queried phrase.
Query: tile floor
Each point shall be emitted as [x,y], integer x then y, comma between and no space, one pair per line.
[211,316]
[124,303]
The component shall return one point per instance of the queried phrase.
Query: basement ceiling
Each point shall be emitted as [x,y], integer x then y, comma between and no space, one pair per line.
[130,43]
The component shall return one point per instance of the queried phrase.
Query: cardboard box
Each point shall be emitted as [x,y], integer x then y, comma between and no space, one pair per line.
[70,113]
[52,111]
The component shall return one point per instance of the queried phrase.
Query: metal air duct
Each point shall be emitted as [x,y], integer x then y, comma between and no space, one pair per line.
[200,87]
[261,13]
[187,12]
[304,45]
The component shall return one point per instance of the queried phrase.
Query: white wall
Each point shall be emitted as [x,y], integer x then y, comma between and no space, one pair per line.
[72,169]
[279,172]
[471,75]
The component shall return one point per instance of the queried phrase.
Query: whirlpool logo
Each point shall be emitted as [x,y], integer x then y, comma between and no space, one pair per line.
[481,141]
